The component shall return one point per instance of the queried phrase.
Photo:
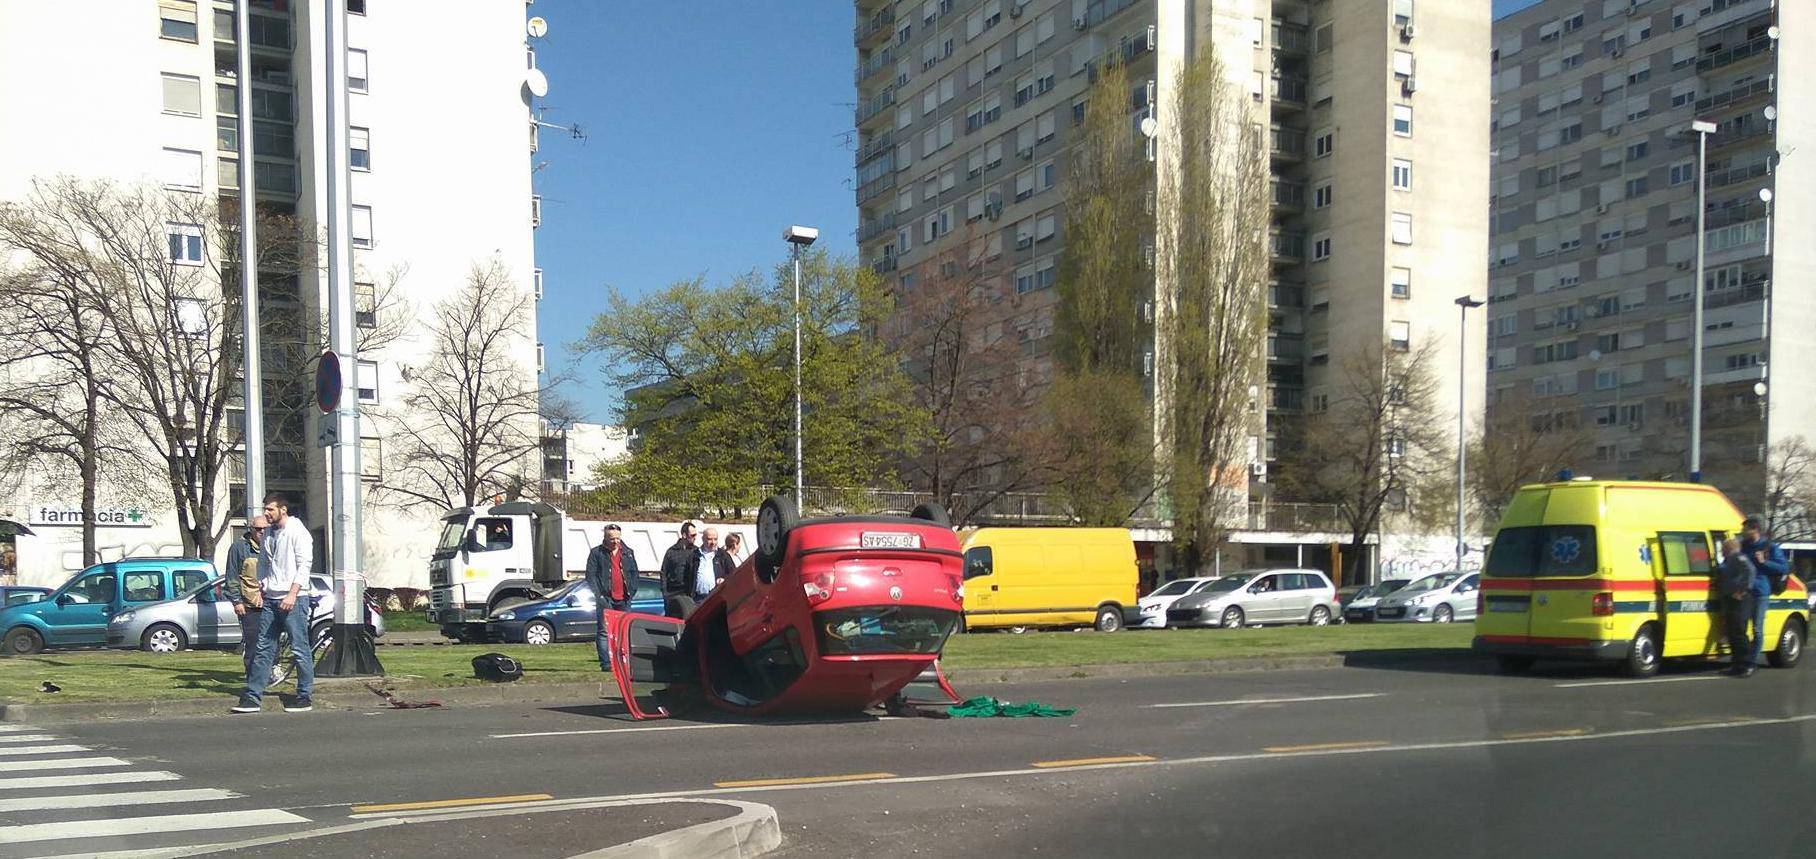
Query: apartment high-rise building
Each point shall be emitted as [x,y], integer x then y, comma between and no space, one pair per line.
[1377,111]
[1593,272]
[440,137]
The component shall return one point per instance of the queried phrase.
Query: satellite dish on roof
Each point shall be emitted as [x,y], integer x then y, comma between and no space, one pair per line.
[1149,126]
[537,82]
[537,27]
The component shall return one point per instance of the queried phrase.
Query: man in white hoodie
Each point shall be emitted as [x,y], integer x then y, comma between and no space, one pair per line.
[284,578]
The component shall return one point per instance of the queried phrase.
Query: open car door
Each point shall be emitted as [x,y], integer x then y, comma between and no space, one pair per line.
[645,648]
[930,688]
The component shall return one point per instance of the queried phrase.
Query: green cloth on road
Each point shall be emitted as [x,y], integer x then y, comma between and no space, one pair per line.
[986,707]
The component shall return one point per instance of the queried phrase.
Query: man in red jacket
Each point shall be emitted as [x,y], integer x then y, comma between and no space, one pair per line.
[611,571]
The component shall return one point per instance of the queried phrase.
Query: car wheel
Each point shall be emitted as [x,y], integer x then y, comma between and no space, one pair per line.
[1320,616]
[1642,654]
[1232,618]
[538,632]
[163,638]
[1017,630]
[23,641]
[775,519]
[1790,645]
[1514,664]
[1443,614]
[1109,619]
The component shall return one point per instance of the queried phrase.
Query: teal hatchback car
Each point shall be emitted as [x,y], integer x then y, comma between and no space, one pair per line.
[76,614]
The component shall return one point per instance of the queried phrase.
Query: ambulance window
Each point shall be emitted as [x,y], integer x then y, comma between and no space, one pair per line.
[1545,550]
[1686,553]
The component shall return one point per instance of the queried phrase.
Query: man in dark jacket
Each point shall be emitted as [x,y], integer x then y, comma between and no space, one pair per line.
[678,566]
[1770,567]
[238,580]
[1734,582]
[611,571]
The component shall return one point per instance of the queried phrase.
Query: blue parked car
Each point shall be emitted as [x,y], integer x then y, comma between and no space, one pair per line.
[568,614]
[76,614]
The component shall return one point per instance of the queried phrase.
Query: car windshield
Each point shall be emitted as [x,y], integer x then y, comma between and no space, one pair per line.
[1174,588]
[1543,550]
[1432,583]
[1228,583]
[452,532]
[567,590]
[883,629]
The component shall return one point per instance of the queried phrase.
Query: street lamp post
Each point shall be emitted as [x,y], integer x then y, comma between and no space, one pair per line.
[1463,305]
[1702,128]
[798,238]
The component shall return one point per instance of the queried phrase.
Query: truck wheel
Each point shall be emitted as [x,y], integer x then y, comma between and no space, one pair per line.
[935,513]
[1790,645]
[23,641]
[538,632]
[1109,619]
[163,638]
[775,519]
[1642,654]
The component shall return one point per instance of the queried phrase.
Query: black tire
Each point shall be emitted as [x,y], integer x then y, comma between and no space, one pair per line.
[962,627]
[1320,616]
[935,513]
[775,519]
[163,638]
[1790,645]
[1233,618]
[1109,619]
[1642,654]
[1514,664]
[1443,614]
[538,629]
[22,641]
[320,631]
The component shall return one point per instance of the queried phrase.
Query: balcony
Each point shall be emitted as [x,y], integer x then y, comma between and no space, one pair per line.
[883,265]
[876,227]
[869,190]
[1759,47]
[1285,348]
[1751,210]
[1288,144]
[1292,38]
[1287,247]
[877,145]
[868,29]
[1289,91]
[1735,175]
[1288,195]
[1714,299]
[879,61]
[1736,97]
[877,106]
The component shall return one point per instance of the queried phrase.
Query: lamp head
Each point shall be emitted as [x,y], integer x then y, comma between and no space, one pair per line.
[1702,126]
[799,235]
[1470,301]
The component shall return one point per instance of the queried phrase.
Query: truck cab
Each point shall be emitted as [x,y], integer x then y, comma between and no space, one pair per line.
[489,559]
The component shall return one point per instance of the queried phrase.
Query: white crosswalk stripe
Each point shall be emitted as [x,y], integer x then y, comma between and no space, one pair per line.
[48,804]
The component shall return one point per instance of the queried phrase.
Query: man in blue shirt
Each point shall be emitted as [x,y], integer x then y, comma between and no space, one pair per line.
[1770,566]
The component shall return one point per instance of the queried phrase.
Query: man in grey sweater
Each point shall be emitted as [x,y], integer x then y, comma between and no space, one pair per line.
[1734,584]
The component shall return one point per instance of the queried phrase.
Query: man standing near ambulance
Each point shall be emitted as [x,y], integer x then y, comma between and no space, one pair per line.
[1734,581]
[1770,568]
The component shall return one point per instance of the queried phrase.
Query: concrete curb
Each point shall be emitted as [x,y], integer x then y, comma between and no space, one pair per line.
[753,831]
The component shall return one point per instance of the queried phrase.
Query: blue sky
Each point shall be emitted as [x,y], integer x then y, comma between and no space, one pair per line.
[712,125]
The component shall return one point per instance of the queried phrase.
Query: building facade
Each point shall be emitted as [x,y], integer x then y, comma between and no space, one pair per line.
[1593,271]
[148,97]
[571,455]
[1378,144]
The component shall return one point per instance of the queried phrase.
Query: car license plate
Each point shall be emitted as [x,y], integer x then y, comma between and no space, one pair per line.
[1517,606]
[1391,612]
[889,540]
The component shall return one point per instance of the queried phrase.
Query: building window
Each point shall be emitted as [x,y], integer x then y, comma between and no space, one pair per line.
[359,148]
[1402,175]
[176,20]
[191,317]
[1403,64]
[371,448]
[365,305]
[1399,336]
[357,72]
[535,210]
[536,283]
[356,7]
[1401,282]
[365,381]
[183,169]
[1325,144]
[362,226]
[1321,196]
[1402,12]
[1321,248]
[182,95]
[1403,120]
[1402,228]
[185,243]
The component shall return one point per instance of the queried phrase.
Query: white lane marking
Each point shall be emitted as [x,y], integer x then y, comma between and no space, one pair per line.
[1270,700]
[145,825]
[1588,683]
[1240,757]
[42,750]
[614,731]
[110,800]
[60,764]
[27,738]
[14,729]
[84,779]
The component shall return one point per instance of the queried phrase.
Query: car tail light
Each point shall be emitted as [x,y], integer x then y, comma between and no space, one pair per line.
[819,590]
[1602,604]
[958,589]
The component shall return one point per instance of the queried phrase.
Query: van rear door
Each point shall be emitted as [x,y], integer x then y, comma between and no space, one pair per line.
[1685,565]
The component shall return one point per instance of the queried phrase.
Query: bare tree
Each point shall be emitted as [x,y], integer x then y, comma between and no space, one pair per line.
[469,424]
[1790,497]
[1518,445]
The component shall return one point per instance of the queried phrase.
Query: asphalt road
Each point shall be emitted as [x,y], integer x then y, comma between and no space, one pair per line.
[1382,757]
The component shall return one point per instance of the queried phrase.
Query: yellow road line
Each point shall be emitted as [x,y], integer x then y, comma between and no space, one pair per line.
[1327,747]
[1709,720]
[1085,762]
[1534,735]
[450,803]
[818,779]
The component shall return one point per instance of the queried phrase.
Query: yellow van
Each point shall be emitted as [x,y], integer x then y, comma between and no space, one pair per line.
[1017,578]
[1617,571]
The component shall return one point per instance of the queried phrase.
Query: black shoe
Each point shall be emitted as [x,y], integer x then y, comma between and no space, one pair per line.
[300,705]
[245,706]
[1745,671]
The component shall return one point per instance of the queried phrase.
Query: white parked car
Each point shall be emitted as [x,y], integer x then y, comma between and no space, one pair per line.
[1437,598]
[1153,608]
[1258,597]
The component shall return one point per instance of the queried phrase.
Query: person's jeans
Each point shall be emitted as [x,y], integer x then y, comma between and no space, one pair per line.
[273,621]
[599,640]
[1759,606]
[1735,614]
[249,638]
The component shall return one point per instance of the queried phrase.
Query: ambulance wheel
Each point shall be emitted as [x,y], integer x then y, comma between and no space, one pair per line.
[1642,653]
[1515,664]
[1790,645]
[775,519]
[935,513]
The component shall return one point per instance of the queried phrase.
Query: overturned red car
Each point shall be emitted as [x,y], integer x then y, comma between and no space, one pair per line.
[828,615]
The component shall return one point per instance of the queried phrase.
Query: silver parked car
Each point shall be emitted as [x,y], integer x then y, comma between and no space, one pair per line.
[1258,597]
[1437,598]
[204,618]
[1361,607]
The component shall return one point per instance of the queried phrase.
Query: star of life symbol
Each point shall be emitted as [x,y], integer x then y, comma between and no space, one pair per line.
[1566,549]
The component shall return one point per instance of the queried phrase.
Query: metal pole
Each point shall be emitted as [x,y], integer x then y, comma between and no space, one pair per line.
[1462,397]
[1765,332]
[350,653]
[1696,333]
[799,500]
[253,398]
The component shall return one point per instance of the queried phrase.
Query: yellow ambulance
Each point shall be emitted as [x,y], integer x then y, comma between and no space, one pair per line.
[1618,571]
[1022,578]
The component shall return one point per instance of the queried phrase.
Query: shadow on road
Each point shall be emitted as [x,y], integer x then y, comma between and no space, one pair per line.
[700,714]
[1463,661]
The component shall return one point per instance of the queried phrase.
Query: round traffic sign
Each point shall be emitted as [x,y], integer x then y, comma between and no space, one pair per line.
[328,382]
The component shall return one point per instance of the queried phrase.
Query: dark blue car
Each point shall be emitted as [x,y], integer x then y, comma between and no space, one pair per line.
[569,614]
